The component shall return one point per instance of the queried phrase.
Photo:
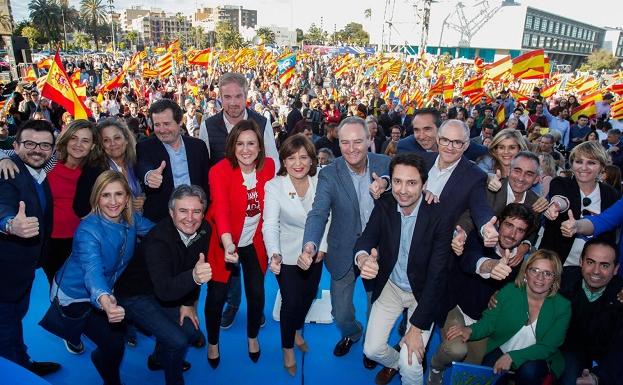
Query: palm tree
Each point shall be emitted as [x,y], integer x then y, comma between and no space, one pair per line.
[46,15]
[367,13]
[94,11]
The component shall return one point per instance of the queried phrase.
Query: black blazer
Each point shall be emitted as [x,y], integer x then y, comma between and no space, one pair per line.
[84,186]
[20,257]
[150,153]
[568,187]
[429,254]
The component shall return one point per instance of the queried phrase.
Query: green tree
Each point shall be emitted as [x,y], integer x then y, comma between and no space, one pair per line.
[46,16]
[94,12]
[227,37]
[82,40]
[268,36]
[315,35]
[32,34]
[600,60]
[131,37]
[367,13]
[353,33]
[299,35]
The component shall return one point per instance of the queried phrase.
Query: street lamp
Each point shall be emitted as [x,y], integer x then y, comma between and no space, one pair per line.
[112,25]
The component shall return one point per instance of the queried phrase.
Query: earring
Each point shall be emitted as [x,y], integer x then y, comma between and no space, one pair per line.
[525,280]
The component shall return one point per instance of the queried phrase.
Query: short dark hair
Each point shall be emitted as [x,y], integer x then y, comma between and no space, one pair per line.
[430,111]
[35,125]
[166,104]
[602,242]
[232,138]
[292,145]
[488,126]
[582,116]
[519,211]
[409,159]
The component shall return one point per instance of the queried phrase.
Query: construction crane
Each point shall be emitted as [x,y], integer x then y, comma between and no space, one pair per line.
[458,21]
[389,24]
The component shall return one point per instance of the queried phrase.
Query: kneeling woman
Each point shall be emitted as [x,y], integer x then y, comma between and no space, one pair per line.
[102,247]
[528,324]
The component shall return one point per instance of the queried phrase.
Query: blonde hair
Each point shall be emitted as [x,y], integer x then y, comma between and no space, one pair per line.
[507,133]
[590,150]
[542,254]
[102,181]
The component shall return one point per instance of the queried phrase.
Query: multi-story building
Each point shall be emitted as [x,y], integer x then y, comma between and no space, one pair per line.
[283,36]
[236,16]
[613,42]
[157,28]
[126,16]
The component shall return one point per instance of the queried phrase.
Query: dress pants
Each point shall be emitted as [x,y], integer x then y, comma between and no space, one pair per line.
[342,307]
[385,311]
[12,345]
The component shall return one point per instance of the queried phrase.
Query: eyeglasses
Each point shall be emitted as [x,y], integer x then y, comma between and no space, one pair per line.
[30,145]
[536,272]
[457,144]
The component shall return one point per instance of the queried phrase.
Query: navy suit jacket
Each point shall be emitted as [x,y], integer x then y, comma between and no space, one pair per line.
[336,195]
[20,257]
[429,254]
[150,153]
[409,144]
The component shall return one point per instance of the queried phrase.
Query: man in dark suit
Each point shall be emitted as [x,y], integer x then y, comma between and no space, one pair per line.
[400,117]
[483,270]
[25,229]
[425,124]
[346,190]
[405,250]
[168,159]
[614,146]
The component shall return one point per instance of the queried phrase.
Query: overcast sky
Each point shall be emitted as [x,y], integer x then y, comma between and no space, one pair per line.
[337,13]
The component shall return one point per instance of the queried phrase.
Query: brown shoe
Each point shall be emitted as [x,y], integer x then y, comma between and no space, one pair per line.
[385,376]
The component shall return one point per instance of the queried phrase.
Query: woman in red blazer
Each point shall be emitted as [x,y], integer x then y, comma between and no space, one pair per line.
[237,191]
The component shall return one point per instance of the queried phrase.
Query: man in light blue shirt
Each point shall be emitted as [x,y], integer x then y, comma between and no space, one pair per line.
[558,121]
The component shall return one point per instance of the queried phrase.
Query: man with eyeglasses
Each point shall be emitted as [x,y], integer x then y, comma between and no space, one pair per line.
[25,228]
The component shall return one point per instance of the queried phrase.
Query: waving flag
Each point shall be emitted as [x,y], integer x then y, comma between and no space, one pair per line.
[285,69]
[59,89]
[202,58]
[165,65]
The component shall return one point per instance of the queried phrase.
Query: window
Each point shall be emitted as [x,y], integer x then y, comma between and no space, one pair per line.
[544,25]
[563,29]
[537,23]
[565,45]
[533,40]
[550,27]
[556,28]
[574,32]
[526,40]
[560,41]
[541,41]
[548,42]
[529,20]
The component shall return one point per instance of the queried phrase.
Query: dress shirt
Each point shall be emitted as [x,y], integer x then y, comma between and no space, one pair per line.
[361,184]
[510,196]
[179,164]
[407,226]
[437,178]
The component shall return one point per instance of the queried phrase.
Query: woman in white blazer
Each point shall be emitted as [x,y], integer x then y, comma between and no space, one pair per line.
[289,197]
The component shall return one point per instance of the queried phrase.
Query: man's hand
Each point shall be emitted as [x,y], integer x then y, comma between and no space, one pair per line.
[275,263]
[522,249]
[23,226]
[540,205]
[458,331]
[138,202]
[368,264]
[490,233]
[319,256]
[493,301]
[191,313]
[231,255]
[154,177]
[494,182]
[8,169]
[307,257]
[202,272]
[503,364]
[429,197]
[114,312]
[458,241]
[415,344]
[501,270]
[378,186]
[569,227]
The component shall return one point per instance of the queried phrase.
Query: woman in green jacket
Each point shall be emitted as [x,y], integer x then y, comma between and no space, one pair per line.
[528,324]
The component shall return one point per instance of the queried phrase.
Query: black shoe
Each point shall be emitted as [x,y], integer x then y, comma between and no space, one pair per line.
[43,368]
[262,321]
[368,363]
[343,346]
[254,356]
[199,343]
[229,315]
[215,361]
[74,349]
[152,364]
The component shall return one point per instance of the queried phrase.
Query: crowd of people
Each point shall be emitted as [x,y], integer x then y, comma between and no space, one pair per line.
[500,234]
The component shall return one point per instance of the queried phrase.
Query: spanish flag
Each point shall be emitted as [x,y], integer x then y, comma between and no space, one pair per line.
[448,91]
[494,71]
[174,46]
[472,86]
[45,63]
[500,115]
[59,89]
[589,109]
[533,60]
[202,58]
[383,82]
[551,90]
[616,88]
[31,76]
[115,82]
[616,110]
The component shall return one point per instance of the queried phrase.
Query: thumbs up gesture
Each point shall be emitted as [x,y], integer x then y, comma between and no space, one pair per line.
[458,240]
[490,233]
[368,264]
[114,312]
[569,227]
[154,177]
[378,186]
[231,255]
[23,226]
[587,378]
[275,263]
[502,270]
[307,257]
[202,272]
[494,181]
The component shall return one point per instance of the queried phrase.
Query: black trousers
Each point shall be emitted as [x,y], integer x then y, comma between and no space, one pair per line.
[253,289]
[298,289]
[58,252]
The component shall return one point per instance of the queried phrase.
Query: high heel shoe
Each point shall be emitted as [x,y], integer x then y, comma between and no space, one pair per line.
[254,356]
[290,369]
[214,361]
[302,347]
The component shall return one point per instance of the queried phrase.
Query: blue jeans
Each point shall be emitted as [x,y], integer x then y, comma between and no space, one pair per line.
[529,373]
[575,362]
[343,309]
[163,322]
[12,345]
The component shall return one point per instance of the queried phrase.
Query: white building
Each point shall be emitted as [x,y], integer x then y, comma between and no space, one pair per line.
[613,42]
[283,36]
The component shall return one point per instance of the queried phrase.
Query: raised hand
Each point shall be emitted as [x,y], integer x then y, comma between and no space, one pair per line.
[569,227]
[202,272]
[378,186]
[458,241]
[490,233]
[368,264]
[494,182]
[502,270]
[154,177]
[231,255]
[307,257]
[23,226]
[275,263]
